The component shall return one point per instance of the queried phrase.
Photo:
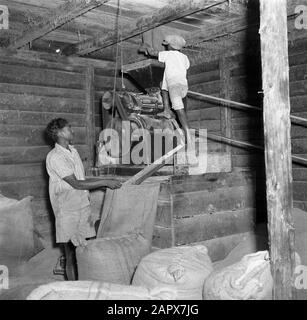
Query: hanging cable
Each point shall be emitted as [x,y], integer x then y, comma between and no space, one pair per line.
[117,25]
[121,49]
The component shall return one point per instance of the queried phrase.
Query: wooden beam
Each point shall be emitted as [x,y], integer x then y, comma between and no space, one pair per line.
[90,115]
[239,7]
[57,17]
[177,9]
[219,31]
[229,38]
[153,167]
[277,138]
[36,56]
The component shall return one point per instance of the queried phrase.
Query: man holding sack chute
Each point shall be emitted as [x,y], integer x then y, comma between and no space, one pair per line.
[68,191]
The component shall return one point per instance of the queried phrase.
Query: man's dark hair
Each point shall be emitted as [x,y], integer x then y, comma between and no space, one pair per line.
[54,126]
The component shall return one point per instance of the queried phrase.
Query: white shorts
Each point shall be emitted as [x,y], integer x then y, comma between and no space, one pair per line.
[176,93]
[68,223]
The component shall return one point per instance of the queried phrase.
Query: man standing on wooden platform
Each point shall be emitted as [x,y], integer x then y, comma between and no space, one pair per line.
[68,191]
[174,84]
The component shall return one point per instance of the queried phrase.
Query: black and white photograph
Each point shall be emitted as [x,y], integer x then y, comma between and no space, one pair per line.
[154,151]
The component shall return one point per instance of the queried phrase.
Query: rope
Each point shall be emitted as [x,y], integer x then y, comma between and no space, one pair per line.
[121,52]
[118,17]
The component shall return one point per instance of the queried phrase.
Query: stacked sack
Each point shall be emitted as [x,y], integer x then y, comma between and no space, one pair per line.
[124,235]
[181,268]
[113,259]
[248,279]
[91,290]
[18,239]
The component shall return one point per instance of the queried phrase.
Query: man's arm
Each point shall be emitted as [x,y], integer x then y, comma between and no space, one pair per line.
[92,183]
[152,52]
[149,51]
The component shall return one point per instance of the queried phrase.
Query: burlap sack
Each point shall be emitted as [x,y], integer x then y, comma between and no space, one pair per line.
[248,279]
[90,290]
[111,260]
[182,268]
[18,241]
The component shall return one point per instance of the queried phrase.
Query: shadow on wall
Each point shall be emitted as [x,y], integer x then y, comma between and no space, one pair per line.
[254,96]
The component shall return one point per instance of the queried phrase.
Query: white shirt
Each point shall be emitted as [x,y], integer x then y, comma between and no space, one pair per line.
[61,163]
[176,65]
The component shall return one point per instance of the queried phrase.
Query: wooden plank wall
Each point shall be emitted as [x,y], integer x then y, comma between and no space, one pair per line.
[32,92]
[245,84]
[236,78]
[205,78]
[298,100]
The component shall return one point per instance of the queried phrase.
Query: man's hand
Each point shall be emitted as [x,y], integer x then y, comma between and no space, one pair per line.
[143,49]
[148,50]
[113,184]
[78,240]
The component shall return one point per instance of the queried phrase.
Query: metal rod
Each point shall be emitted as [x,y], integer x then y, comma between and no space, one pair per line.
[299,160]
[239,105]
[233,142]
[221,100]
[298,120]
[243,144]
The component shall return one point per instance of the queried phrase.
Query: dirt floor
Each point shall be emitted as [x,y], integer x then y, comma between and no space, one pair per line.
[38,270]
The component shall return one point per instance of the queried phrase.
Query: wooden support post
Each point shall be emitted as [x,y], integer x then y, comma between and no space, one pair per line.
[276,108]
[225,93]
[90,115]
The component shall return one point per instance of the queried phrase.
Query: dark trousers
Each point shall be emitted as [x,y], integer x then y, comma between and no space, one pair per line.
[71,269]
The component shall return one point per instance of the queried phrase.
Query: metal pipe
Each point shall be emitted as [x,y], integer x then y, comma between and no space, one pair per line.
[238,143]
[224,101]
[239,105]
[233,142]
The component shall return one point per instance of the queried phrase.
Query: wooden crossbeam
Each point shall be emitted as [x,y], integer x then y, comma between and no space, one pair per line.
[239,7]
[177,9]
[56,18]
[215,32]
[218,32]
[30,55]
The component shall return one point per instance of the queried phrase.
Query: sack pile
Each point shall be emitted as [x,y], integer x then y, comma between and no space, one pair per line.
[18,240]
[90,290]
[248,279]
[113,259]
[181,268]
